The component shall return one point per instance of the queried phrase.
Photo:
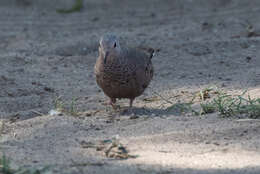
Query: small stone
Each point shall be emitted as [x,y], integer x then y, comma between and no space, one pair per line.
[48,89]
[133,117]
[153,15]
[216,143]
[94,19]
[54,112]
[248,58]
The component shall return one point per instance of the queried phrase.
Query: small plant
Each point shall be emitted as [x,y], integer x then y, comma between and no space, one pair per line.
[207,108]
[60,106]
[225,104]
[73,108]
[252,107]
[77,6]
[5,168]
[228,105]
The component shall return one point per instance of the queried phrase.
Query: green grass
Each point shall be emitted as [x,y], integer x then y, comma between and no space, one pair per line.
[252,107]
[207,108]
[59,104]
[77,6]
[228,105]
[66,107]
[213,100]
[73,108]
[5,168]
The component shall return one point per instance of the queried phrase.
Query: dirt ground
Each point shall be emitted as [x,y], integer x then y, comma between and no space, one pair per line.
[45,55]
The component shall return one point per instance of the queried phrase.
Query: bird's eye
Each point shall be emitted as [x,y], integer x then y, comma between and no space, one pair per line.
[114,44]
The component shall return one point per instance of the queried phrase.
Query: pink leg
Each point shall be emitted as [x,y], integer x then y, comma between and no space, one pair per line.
[112,102]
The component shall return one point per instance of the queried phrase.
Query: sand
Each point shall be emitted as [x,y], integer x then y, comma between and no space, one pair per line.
[45,55]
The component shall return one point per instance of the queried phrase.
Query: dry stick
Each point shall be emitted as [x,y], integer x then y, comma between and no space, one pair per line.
[36,112]
[2,125]
[156,93]
[247,119]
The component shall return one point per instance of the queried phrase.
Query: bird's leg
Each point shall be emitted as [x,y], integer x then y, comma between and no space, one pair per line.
[130,109]
[112,102]
[131,102]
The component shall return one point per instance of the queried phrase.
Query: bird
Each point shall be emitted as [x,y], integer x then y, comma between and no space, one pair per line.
[122,72]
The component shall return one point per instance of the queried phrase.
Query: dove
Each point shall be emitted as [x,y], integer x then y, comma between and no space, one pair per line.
[122,72]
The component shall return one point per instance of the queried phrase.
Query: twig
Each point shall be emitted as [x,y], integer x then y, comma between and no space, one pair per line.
[246,119]
[37,112]
[163,98]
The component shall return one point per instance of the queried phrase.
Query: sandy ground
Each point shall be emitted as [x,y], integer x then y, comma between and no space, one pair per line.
[45,55]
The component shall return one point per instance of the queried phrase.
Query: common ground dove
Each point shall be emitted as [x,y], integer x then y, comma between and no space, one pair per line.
[122,72]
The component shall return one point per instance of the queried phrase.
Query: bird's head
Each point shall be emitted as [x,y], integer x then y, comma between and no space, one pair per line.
[109,44]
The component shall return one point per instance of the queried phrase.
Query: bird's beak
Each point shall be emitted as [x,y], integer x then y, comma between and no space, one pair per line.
[105,58]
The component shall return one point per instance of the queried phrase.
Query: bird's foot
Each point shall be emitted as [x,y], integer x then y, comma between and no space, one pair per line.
[130,109]
[112,102]
[114,106]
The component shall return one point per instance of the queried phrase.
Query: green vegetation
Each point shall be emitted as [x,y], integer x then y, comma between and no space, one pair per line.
[60,105]
[73,108]
[213,100]
[78,5]
[207,108]
[228,105]
[5,168]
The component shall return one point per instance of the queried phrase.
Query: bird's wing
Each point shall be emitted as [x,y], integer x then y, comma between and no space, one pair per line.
[143,69]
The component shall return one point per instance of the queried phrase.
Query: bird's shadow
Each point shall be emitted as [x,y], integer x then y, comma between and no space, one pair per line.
[176,109]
